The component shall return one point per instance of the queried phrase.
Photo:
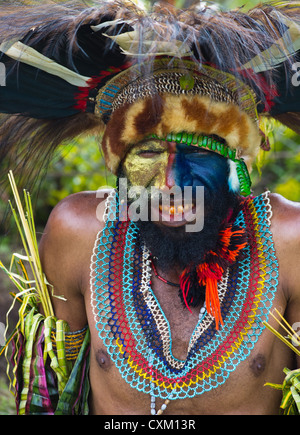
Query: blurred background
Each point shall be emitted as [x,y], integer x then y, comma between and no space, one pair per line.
[80,166]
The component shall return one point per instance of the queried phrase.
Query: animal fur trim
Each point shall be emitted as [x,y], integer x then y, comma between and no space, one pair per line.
[167,113]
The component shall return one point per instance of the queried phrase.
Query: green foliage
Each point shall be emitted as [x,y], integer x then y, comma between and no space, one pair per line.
[280,166]
[81,168]
[78,167]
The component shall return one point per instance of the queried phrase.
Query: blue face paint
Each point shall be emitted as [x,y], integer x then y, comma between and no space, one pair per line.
[198,167]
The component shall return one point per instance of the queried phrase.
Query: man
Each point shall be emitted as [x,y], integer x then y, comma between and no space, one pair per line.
[74,224]
[176,316]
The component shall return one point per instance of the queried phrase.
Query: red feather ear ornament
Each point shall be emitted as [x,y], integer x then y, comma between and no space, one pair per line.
[207,275]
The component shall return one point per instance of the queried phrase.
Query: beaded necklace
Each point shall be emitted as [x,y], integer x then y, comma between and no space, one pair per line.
[165,281]
[136,332]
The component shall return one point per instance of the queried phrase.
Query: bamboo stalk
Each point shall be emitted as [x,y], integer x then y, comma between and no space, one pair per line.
[281,337]
[28,236]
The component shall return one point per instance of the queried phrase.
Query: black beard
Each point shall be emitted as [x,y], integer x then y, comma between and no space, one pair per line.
[177,247]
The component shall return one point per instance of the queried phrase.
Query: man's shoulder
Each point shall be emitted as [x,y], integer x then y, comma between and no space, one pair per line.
[68,239]
[73,225]
[285,212]
[285,226]
[79,212]
[285,220]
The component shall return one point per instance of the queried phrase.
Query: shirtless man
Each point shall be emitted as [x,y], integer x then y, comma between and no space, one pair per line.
[66,249]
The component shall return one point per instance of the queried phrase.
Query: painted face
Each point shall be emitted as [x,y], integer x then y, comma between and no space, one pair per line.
[163,165]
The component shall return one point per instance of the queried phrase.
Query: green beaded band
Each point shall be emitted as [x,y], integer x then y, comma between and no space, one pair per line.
[244,177]
[221,148]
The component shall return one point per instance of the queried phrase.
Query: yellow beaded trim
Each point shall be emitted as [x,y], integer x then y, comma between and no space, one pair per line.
[73,342]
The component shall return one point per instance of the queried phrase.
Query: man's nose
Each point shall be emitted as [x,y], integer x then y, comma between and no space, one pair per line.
[170,172]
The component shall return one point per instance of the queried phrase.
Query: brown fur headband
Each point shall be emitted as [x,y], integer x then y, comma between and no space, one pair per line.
[213,104]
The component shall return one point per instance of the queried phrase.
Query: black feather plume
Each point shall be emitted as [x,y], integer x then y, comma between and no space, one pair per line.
[42,107]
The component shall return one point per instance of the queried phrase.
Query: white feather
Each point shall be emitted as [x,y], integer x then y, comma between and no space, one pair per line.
[233,181]
[130,44]
[25,54]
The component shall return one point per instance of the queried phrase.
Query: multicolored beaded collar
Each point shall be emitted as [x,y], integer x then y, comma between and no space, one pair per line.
[136,332]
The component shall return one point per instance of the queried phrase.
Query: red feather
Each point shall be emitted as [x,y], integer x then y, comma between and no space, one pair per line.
[231,241]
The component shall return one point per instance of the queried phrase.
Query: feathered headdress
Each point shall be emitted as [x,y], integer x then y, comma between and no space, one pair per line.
[120,70]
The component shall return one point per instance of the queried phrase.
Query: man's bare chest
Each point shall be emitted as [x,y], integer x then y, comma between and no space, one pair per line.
[242,391]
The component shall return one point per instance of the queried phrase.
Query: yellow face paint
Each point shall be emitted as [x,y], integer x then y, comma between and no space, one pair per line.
[146,164]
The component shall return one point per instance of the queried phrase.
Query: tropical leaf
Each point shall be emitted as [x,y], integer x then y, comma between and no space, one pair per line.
[291,385]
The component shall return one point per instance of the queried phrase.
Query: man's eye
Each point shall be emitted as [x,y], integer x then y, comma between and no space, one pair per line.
[146,154]
[198,152]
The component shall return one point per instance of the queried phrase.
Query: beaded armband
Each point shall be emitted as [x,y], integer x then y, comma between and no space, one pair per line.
[210,143]
[73,342]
